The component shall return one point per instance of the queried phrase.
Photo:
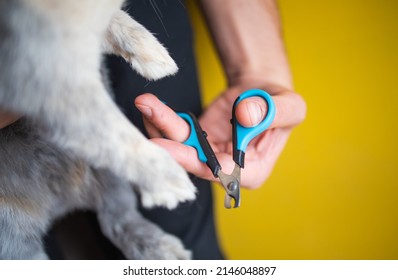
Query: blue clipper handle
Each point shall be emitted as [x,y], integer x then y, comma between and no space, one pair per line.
[243,135]
[197,139]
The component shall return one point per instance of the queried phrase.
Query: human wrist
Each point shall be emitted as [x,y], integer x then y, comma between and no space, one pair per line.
[260,75]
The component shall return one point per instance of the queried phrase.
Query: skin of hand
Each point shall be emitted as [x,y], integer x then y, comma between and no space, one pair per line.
[262,152]
[248,38]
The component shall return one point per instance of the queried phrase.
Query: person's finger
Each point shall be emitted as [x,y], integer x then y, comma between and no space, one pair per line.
[259,162]
[162,117]
[186,156]
[251,111]
[152,131]
[290,110]
[253,175]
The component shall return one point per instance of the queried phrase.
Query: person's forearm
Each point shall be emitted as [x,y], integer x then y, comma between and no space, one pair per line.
[248,37]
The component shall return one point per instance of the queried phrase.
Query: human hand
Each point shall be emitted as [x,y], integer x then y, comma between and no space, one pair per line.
[262,152]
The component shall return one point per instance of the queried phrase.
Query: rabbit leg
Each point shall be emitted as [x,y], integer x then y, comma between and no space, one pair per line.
[21,231]
[132,41]
[135,236]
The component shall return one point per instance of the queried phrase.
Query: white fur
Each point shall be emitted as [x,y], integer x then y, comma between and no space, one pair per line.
[143,51]
[50,56]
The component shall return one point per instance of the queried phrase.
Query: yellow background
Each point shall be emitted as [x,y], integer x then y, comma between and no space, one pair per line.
[334,192]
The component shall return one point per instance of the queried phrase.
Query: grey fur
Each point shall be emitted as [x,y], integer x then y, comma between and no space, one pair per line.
[76,149]
[40,183]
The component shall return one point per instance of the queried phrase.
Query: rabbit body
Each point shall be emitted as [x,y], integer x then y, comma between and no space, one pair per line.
[75,149]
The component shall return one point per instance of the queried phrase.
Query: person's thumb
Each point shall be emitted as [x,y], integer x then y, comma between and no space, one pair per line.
[162,118]
[251,111]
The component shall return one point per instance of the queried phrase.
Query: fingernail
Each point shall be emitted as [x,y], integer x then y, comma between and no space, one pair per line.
[255,111]
[145,110]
